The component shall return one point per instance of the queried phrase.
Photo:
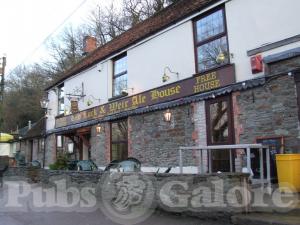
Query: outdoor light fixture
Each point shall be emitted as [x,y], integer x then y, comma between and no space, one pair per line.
[221,57]
[98,129]
[90,102]
[125,91]
[165,77]
[213,96]
[70,148]
[167,115]
[44,103]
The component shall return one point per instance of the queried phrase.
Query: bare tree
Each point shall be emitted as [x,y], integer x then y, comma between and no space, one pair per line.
[23,92]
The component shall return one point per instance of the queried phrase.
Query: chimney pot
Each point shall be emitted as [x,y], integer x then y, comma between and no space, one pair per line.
[89,44]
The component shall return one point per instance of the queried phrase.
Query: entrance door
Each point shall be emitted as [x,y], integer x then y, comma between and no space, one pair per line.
[84,145]
[119,140]
[220,131]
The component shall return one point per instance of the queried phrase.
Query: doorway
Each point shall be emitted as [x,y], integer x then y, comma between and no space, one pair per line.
[220,131]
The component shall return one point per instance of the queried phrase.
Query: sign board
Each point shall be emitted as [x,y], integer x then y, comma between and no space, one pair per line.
[74,107]
[194,85]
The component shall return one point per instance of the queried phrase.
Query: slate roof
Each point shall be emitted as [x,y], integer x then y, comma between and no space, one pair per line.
[37,130]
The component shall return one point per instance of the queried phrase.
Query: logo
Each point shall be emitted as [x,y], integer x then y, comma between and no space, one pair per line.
[126,198]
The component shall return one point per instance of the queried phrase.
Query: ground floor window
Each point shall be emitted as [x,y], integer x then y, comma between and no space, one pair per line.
[119,140]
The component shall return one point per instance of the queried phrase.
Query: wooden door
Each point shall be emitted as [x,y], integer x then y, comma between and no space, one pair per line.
[220,131]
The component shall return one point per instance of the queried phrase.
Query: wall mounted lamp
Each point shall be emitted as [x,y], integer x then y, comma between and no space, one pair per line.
[90,102]
[125,91]
[70,148]
[167,115]
[44,105]
[221,57]
[99,129]
[165,77]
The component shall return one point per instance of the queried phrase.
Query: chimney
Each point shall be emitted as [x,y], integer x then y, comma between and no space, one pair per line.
[89,44]
[29,125]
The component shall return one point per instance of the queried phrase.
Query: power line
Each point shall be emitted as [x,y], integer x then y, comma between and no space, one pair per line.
[48,36]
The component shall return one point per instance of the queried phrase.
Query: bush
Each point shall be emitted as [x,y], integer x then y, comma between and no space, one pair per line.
[61,163]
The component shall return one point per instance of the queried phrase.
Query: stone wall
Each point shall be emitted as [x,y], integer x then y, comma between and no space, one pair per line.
[216,194]
[98,147]
[270,110]
[155,142]
[284,65]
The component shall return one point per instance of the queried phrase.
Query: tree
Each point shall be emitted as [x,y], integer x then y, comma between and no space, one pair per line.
[65,50]
[24,90]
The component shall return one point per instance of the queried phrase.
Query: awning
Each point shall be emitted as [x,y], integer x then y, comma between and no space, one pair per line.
[5,137]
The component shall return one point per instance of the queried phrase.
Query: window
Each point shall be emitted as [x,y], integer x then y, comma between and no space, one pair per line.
[211,41]
[59,141]
[61,100]
[119,140]
[119,75]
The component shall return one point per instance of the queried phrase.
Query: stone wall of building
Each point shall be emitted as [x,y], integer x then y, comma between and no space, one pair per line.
[98,146]
[155,142]
[270,111]
[284,65]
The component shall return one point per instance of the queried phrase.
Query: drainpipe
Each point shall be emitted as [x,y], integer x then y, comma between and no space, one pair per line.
[44,137]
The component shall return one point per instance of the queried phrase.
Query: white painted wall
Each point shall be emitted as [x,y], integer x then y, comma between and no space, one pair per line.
[146,62]
[253,23]
[250,23]
[95,87]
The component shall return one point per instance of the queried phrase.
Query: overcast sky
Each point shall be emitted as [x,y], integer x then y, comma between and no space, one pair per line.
[26,23]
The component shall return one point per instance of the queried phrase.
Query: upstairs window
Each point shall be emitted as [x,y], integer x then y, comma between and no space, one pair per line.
[119,75]
[211,41]
[61,100]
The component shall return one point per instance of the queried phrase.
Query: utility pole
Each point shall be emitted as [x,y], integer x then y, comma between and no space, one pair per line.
[2,72]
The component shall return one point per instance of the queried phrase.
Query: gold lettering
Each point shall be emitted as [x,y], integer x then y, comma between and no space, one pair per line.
[102,110]
[118,106]
[138,99]
[165,93]
[207,82]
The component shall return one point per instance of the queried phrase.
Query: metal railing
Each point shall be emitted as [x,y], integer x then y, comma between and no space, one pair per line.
[231,148]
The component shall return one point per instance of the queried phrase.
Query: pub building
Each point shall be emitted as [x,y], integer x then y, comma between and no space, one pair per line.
[199,72]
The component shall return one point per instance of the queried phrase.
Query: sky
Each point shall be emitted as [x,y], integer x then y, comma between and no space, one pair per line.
[25,24]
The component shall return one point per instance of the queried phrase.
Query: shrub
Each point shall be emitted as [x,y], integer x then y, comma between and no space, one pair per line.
[61,163]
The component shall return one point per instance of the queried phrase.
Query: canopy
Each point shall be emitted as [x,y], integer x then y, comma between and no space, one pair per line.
[5,137]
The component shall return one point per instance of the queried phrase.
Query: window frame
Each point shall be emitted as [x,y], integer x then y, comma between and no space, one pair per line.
[120,141]
[210,39]
[115,76]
